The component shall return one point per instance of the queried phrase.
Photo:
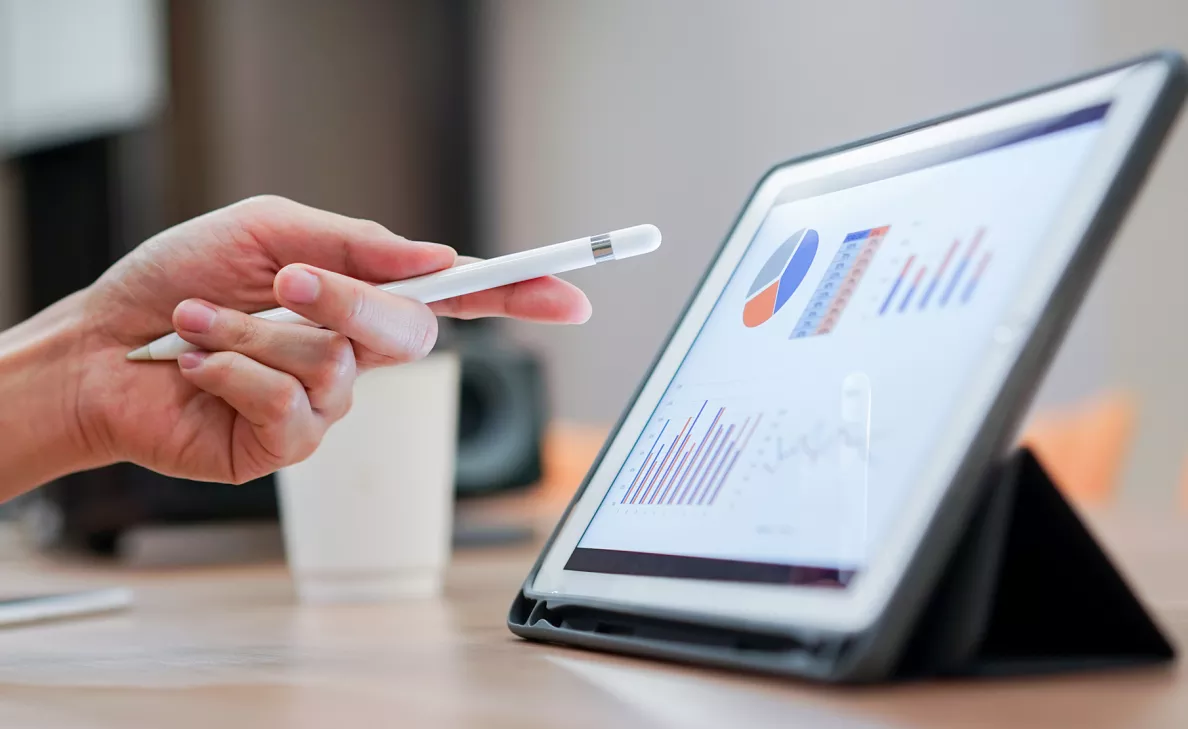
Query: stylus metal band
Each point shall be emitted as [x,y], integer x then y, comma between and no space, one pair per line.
[601,247]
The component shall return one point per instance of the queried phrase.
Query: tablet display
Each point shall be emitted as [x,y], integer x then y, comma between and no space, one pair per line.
[787,440]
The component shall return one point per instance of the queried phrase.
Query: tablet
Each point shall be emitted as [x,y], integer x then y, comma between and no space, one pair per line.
[805,447]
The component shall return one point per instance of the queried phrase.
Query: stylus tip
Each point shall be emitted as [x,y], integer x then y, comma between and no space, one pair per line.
[141,354]
[635,241]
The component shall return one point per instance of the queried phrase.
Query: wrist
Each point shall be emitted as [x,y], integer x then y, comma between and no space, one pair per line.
[41,436]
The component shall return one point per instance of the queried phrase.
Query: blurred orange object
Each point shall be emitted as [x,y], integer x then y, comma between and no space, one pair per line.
[569,451]
[1085,448]
[1184,485]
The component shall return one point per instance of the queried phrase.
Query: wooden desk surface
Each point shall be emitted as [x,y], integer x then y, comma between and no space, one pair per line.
[228,647]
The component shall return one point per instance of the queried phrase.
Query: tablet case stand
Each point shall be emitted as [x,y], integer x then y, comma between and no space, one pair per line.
[1026,591]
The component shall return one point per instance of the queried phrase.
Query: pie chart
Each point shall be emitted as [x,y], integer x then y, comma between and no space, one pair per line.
[780,276]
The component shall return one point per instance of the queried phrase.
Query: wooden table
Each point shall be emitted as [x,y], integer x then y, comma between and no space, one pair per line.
[228,647]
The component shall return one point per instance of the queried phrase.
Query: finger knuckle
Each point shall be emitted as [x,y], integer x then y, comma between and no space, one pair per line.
[337,408]
[245,333]
[266,203]
[285,403]
[372,229]
[218,368]
[356,308]
[302,445]
[337,363]
[344,406]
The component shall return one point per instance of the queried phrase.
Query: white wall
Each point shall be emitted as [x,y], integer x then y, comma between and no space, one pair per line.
[70,68]
[617,112]
[1148,336]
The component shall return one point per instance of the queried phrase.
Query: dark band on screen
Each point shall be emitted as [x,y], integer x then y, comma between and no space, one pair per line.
[643,564]
[942,154]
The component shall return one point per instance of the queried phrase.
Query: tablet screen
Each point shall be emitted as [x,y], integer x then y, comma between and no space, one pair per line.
[786,442]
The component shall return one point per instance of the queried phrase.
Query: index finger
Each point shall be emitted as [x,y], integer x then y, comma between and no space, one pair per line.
[546,299]
[362,249]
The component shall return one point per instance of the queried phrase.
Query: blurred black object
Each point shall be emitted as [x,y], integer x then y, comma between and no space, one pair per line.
[72,216]
[502,411]
[87,202]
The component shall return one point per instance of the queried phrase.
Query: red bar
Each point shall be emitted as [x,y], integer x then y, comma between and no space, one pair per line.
[664,478]
[634,499]
[680,465]
[977,276]
[643,484]
[671,448]
[741,448]
[704,457]
[721,464]
[895,286]
[725,475]
[643,465]
[725,459]
[977,239]
[678,476]
[940,272]
[666,486]
[982,266]
[682,484]
[907,298]
[709,466]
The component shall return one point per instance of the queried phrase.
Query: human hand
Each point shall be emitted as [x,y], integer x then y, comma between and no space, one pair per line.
[260,394]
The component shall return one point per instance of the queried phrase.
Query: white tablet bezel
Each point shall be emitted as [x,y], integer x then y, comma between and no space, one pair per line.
[1131,93]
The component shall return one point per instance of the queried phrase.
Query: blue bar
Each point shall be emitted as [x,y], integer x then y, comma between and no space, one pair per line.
[956,278]
[684,442]
[969,289]
[890,295]
[908,297]
[639,474]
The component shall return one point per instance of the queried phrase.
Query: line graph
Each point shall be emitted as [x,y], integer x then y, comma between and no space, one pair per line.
[813,447]
[822,469]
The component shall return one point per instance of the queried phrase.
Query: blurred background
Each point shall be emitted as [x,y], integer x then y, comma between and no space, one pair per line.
[500,125]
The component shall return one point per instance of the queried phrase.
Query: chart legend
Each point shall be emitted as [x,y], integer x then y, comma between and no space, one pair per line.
[841,279]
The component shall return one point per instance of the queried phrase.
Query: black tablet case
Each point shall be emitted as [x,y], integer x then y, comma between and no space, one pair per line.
[1023,589]
[1028,590]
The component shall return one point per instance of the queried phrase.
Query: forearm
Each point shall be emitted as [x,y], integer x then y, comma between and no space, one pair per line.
[40,438]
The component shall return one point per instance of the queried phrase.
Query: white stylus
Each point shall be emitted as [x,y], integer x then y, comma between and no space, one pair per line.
[471,277]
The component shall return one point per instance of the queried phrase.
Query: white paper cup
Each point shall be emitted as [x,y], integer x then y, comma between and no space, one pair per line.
[369,516]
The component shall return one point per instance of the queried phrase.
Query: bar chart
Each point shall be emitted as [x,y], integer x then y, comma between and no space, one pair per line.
[951,279]
[688,460]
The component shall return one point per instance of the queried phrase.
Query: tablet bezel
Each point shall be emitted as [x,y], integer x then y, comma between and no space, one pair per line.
[1132,92]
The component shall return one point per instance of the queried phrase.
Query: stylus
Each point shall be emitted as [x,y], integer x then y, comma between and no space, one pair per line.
[65,605]
[471,277]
